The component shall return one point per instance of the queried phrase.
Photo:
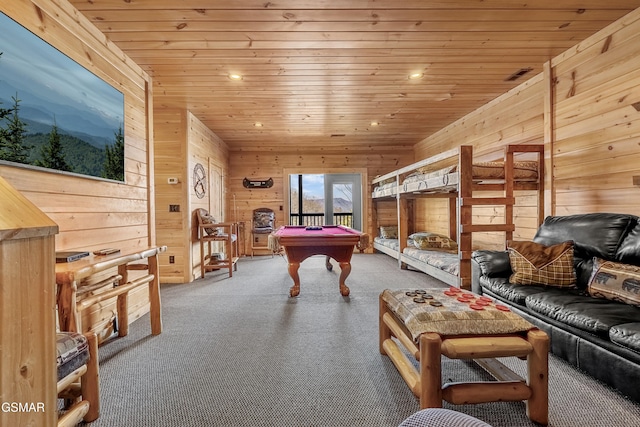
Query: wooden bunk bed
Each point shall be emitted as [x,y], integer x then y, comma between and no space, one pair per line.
[465,184]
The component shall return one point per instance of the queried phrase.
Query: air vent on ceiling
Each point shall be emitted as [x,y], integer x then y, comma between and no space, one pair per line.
[336,135]
[515,76]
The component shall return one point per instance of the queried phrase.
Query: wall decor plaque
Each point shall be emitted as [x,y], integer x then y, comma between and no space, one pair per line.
[254,183]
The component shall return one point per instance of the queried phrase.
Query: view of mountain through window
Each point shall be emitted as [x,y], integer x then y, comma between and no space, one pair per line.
[308,204]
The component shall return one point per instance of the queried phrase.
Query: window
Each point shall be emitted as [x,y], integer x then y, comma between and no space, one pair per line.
[325,199]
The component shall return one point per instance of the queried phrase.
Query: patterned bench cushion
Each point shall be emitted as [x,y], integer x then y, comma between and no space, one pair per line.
[450,317]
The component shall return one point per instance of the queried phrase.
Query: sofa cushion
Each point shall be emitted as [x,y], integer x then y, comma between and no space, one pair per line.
[536,264]
[615,281]
[629,251]
[493,263]
[598,234]
[581,311]
[626,335]
[515,294]
[594,235]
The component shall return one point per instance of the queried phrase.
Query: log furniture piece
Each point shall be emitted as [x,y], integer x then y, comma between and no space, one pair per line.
[78,377]
[430,323]
[458,176]
[209,232]
[263,224]
[334,241]
[77,278]
[27,304]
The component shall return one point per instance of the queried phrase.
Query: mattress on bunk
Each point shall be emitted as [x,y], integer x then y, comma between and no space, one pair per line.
[384,190]
[388,243]
[446,179]
[445,261]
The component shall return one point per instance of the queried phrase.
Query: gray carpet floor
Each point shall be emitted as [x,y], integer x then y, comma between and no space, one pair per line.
[239,352]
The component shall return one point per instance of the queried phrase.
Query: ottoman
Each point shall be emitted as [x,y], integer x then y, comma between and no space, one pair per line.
[430,323]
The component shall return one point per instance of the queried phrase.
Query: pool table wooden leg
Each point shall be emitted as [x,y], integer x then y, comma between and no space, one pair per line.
[345,268]
[293,272]
[327,263]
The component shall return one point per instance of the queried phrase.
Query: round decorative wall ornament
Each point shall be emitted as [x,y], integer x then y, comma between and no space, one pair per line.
[199,180]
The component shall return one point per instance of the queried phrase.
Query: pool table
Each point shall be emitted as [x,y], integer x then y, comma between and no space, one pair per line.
[334,241]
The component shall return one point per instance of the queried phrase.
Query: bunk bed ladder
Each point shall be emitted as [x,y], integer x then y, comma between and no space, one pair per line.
[467,201]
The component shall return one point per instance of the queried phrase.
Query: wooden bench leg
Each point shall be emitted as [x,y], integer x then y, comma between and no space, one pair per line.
[538,377]
[430,371]
[383,330]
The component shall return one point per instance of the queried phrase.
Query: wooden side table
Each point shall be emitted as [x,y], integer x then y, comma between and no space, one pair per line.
[70,276]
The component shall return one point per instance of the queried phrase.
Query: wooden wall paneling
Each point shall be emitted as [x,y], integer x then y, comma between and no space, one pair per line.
[433,215]
[602,41]
[597,129]
[484,128]
[170,160]
[206,148]
[150,166]
[386,214]
[92,213]
[549,136]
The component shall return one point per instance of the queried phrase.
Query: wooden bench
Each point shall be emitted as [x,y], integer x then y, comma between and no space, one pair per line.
[453,330]
[71,278]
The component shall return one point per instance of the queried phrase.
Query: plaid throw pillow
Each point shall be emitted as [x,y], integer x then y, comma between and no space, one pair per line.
[536,264]
[615,281]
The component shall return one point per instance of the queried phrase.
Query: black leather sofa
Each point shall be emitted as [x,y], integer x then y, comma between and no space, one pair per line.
[599,336]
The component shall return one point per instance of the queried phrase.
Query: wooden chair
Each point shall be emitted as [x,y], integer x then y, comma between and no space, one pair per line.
[210,231]
[263,224]
[78,377]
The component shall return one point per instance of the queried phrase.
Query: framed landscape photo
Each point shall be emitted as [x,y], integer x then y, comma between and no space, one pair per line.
[54,113]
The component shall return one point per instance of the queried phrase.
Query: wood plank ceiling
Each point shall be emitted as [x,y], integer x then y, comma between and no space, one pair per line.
[319,72]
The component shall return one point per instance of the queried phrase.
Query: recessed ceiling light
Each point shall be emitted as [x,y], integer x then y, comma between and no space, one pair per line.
[258,124]
[374,123]
[235,76]
[415,76]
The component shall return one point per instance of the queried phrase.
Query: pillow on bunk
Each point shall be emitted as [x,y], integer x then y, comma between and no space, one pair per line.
[495,170]
[431,241]
[615,281]
[424,174]
[389,232]
[525,170]
[536,264]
